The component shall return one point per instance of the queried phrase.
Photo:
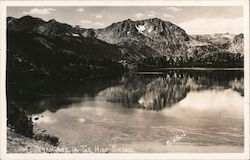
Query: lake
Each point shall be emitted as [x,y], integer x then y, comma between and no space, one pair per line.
[146,111]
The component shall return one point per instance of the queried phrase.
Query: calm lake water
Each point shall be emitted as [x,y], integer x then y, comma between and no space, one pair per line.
[163,111]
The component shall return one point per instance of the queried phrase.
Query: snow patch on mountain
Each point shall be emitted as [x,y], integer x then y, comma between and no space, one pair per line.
[140,28]
[150,29]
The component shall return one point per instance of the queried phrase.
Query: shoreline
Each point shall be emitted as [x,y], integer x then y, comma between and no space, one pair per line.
[190,68]
[161,71]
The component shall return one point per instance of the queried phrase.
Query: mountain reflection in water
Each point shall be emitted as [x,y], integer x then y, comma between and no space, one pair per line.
[155,92]
[148,91]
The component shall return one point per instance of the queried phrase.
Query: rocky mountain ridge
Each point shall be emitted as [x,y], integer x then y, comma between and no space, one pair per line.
[133,42]
[162,36]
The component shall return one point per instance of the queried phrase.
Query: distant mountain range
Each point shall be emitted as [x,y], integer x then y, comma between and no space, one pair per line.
[51,47]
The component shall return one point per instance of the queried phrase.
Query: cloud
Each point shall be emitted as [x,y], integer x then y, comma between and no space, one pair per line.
[211,26]
[91,23]
[86,21]
[174,9]
[139,15]
[99,24]
[80,10]
[151,13]
[165,15]
[42,11]
[98,16]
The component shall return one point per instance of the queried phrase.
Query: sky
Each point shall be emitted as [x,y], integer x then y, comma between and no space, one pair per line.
[193,19]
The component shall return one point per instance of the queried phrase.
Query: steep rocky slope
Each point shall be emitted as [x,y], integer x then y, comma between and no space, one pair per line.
[237,46]
[54,48]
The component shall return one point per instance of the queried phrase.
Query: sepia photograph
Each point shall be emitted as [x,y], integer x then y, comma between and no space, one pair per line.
[125,77]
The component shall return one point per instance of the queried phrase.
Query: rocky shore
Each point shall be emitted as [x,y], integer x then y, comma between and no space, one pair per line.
[17,143]
[40,143]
